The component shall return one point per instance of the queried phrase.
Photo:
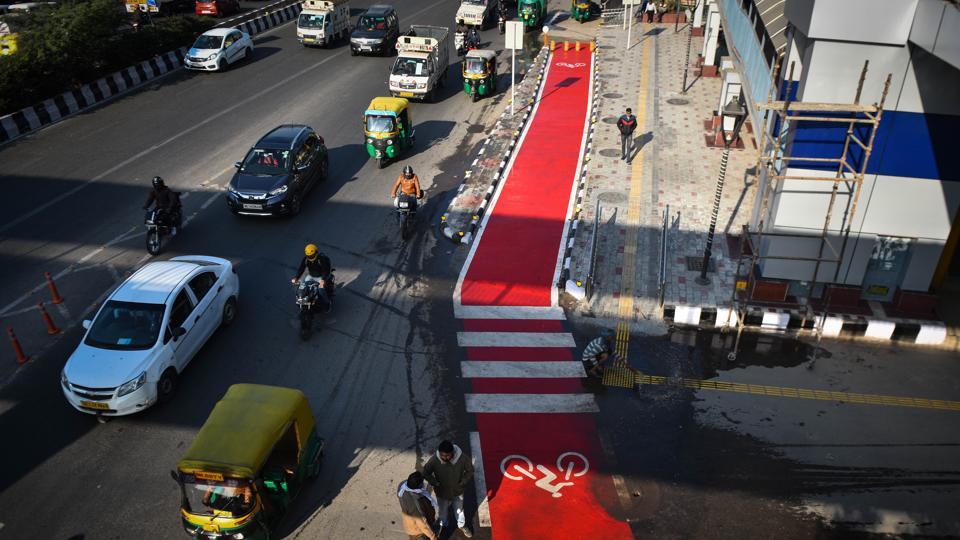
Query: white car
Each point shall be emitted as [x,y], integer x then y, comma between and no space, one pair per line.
[146,333]
[215,49]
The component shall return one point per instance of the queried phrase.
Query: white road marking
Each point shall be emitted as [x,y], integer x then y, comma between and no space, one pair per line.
[531,403]
[515,339]
[506,369]
[508,312]
[479,480]
[165,142]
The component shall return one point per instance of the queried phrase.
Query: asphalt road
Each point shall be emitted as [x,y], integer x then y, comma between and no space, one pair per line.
[375,374]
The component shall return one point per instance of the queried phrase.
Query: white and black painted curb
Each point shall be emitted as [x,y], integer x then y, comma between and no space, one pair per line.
[565,283]
[913,331]
[51,111]
[464,236]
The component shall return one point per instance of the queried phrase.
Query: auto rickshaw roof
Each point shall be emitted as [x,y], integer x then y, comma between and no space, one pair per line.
[387,105]
[481,53]
[243,428]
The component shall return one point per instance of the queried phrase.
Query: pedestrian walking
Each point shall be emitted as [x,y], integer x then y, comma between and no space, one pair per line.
[651,10]
[661,9]
[596,353]
[418,508]
[449,471]
[638,15]
[627,123]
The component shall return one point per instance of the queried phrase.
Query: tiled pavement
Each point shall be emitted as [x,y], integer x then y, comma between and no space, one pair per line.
[677,171]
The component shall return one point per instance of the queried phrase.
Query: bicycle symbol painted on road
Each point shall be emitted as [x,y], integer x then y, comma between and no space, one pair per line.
[571,464]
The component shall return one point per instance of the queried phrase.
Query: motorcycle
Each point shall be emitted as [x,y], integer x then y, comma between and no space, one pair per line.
[407,214]
[158,224]
[312,296]
[502,24]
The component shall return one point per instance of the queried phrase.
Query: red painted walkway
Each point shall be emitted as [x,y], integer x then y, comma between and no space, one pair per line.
[545,472]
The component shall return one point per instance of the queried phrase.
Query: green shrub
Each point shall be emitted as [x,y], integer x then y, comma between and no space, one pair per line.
[80,41]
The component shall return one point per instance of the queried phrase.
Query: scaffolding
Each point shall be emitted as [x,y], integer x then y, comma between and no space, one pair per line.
[774,160]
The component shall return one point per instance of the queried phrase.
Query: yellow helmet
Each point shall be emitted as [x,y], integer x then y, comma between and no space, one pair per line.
[310,251]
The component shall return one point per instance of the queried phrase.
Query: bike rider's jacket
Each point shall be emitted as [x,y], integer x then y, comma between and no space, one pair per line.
[318,267]
[165,198]
[449,479]
[627,123]
[409,186]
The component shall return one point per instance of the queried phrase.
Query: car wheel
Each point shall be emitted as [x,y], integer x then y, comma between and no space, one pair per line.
[222,65]
[353,52]
[167,385]
[247,53]
[295,205]
[229,312]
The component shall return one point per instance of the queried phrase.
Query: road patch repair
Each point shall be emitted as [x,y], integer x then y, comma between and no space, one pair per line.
[538,452]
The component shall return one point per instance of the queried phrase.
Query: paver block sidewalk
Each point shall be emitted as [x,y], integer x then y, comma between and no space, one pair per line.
[678,172]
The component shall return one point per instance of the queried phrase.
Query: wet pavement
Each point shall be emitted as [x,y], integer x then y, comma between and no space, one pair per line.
[709,464]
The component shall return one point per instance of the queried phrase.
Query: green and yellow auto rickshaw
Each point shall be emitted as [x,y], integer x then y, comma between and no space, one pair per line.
[479,73]
[388,128]
[531,12]
[248,462]
[580,10]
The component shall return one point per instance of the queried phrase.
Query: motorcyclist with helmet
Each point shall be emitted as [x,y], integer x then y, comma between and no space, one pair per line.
[166,200]
[316,266]
[408,184]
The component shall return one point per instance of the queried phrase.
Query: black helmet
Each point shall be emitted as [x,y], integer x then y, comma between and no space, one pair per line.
[158,182]
[408,171]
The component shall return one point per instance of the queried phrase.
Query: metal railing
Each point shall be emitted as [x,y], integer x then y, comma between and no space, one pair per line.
[588,286]
[662,271]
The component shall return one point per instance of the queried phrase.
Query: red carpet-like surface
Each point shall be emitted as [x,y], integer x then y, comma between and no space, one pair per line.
[515,262]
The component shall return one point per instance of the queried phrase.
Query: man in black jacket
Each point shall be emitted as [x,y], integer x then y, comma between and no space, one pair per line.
[315,266]
[627,123]
[449,471]
[167,200]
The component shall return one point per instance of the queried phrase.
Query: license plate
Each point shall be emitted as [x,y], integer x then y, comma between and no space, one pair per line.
[406,94]
[253,206]
[309,39]
[366,48]
[403,204]
[94,405]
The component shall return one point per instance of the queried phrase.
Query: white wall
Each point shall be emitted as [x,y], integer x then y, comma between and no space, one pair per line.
[832,71]
[875,21]
[936,28]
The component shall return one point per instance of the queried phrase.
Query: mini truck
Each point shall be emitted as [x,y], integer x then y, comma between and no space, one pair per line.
[477,13]
[423,55]
[323,21]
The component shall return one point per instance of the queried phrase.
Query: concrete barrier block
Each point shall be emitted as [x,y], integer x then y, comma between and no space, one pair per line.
[832,326]
[877,329]
[775,319]
[725,316]
[931,334]
[687,315]
[577,291]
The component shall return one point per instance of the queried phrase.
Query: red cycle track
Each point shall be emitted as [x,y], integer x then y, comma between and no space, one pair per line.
[513,264]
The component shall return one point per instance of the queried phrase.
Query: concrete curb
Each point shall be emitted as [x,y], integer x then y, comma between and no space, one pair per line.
[462,233]
[576,288]
[50,111]
[910,331]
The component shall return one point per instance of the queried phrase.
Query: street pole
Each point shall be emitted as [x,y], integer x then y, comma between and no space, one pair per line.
[686,65]
[629,25]
[676,23]
[513,77]
[708,251]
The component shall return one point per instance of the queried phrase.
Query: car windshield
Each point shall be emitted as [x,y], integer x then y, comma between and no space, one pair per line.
[208,42]
[369,23]
[410,66]
[266,161]
[126,326]
[310,21]
[380,124]
[206,497]
[475,65]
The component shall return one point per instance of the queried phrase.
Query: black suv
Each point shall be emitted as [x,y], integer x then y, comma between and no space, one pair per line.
[376,32]
[278,172]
